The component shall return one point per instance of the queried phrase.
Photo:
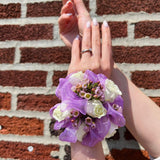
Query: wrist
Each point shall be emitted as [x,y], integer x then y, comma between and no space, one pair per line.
[79,151]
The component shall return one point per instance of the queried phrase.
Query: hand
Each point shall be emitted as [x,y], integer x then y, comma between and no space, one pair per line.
[72,20]
[100,61]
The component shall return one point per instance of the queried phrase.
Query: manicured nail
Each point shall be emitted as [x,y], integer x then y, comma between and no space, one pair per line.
[95,21]
[69,14]
[88,24]
[105,23]
[69,2]
[77,37]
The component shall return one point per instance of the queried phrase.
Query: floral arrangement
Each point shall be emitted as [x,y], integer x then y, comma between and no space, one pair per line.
[90,109]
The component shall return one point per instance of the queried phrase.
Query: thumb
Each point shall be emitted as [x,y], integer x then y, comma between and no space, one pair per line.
[80,7]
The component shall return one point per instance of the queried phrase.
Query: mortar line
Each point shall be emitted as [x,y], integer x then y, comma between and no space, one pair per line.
[17,56]
[14,102]
[23,10]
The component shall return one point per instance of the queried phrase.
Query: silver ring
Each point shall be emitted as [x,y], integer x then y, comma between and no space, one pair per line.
[87,50]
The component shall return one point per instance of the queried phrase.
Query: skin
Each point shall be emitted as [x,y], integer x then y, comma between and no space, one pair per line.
[71,26]
[81,62]
[142,115]
[101,53]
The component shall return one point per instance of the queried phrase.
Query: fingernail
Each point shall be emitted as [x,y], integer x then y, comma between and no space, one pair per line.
[95,21]
[69,2]
[69,14]
[105,23]
[77,37]
[88,24]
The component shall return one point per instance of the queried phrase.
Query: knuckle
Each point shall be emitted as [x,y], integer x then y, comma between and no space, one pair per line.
[108,43]
[86,46]
[96,65]
[97,42]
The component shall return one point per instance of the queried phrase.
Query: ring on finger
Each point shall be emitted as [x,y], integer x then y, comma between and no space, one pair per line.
[86,50]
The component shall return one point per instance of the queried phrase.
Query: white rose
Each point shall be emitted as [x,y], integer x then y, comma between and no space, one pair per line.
[95,109]
[111,90]
[76,78]
[80,132]
[59,113]
[112,130]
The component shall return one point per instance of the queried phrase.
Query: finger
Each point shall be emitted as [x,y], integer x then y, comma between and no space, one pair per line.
[80,7]
[68,8]
[106,42]
[66,22]
[96,43]
[86,41]
[75,56]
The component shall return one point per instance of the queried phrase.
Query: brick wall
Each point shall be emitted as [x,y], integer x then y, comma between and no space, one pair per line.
[33,58]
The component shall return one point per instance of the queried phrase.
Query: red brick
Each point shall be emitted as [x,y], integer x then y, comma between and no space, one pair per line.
[129,154]
[124,6]
[156,100]
[23,78]
[147,28]
[26,32]
[21,126]
[44,9]
[118,29]
[128,135]
[20,151]
[7,55]
[5,101]
[45,55]
[147,54]
[36,102]
[146,79]
[12,10]
[57,75]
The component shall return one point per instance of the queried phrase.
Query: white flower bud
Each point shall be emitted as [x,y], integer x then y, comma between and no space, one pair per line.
[111,91]
[59,113]
[76,78]
[95,109]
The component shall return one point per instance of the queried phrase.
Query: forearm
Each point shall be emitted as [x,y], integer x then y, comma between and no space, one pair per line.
[141,113]
[79,152]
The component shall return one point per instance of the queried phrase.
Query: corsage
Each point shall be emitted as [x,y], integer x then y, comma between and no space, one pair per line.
[90,109]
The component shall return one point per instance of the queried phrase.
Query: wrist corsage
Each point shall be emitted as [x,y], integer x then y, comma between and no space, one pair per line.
[90,109]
